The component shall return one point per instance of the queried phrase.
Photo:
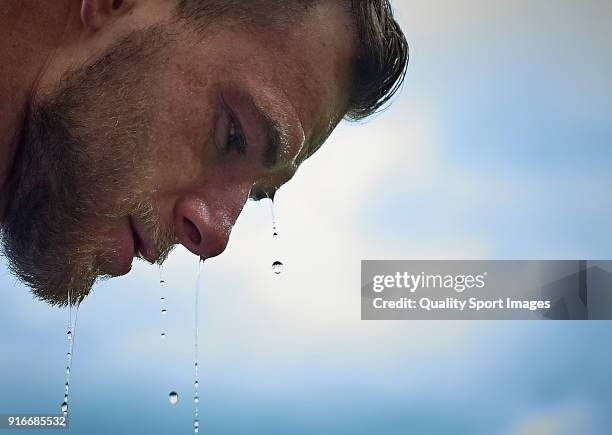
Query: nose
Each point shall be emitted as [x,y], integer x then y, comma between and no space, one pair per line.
[203,223]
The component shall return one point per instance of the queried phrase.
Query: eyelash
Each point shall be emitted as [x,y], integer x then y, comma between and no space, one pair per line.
[235,138]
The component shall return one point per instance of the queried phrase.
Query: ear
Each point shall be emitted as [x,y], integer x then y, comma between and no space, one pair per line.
[95,14]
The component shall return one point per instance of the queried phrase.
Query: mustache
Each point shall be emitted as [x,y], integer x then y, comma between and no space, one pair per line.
[162,235]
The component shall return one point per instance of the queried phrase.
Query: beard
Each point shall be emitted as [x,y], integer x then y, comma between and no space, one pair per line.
[84,160]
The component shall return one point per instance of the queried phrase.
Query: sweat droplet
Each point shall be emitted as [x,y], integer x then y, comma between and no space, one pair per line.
[277,267]
[70,338]
[173,398]
[162,299]
[196,382]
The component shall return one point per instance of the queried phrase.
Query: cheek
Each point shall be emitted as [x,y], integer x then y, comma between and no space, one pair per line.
[184,154]
[181,138]
[232,172]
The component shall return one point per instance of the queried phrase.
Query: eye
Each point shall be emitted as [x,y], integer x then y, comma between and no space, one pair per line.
[235,138]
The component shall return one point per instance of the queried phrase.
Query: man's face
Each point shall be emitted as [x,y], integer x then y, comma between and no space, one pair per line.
[162,137]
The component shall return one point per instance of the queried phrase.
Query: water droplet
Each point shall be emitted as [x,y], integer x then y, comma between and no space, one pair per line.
[162,282]
[163,335]
[69,353]
[173,397]
[196,384]
[275,234]
[164,312]
[163,300]
[277,267]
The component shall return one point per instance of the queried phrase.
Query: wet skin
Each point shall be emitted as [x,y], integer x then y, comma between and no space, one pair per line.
[234,114]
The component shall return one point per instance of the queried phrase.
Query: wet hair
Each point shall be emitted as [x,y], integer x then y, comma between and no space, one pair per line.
[382,50]
[382,58]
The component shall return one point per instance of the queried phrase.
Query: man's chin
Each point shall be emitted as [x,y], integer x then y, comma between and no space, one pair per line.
[58,281]
[62,295]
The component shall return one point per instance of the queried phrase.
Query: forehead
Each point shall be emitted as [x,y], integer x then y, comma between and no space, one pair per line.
[301,73]
[319,64]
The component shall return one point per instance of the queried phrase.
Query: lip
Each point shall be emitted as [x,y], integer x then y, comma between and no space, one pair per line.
[121,262]
[143,246]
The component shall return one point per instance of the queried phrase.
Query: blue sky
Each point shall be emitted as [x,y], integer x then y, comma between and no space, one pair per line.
[498,147]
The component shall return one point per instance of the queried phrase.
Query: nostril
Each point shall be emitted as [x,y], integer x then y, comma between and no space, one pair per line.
[192,232]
